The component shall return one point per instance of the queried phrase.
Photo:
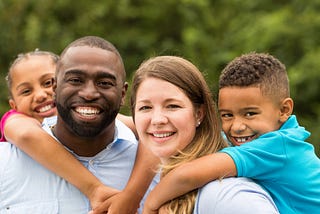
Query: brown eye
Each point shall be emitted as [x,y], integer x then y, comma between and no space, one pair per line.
[48,83]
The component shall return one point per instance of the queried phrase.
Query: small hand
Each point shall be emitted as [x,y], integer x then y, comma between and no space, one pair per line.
[122,202]
[100,195]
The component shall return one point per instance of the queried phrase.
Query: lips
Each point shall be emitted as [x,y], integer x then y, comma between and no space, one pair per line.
[45,107]
[241,140]
[87,111]
[163,135]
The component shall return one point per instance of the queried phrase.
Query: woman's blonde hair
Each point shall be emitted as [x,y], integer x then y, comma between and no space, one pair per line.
[183,74]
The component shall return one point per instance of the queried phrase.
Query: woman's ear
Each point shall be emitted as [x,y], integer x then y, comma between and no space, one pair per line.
[199,115]
[12,104]
[286,109]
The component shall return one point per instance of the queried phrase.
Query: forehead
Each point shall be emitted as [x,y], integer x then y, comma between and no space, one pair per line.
[34,66]
[157,89]
[237,97]
[87,58]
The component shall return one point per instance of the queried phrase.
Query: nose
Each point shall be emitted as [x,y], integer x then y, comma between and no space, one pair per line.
[89,91]
[238,126]
[41,95]
[158,117]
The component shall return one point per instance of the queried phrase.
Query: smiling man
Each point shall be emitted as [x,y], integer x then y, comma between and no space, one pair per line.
[90,88]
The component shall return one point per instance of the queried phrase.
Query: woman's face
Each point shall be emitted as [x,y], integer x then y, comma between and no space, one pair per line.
[165,118]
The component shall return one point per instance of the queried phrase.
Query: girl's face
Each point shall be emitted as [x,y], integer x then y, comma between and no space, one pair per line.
[165,118]
[32,80]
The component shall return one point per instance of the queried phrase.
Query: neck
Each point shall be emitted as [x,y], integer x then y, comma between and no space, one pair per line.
[83,146]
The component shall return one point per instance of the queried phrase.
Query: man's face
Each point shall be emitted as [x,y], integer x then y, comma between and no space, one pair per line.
[90,89]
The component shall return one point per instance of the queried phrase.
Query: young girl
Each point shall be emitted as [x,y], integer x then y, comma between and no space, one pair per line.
[30,80]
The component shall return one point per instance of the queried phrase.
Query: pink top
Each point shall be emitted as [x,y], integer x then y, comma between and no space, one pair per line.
[3,120]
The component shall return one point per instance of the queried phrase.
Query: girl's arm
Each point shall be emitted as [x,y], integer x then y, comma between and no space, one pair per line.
[189,176]
[26,133]
[143,172]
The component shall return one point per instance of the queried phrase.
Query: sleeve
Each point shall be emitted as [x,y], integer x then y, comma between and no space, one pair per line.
[3,121]
[234,195]
[260,158]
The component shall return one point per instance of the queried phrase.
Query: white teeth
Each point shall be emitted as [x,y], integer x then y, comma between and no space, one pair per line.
[87,111]
[162,135]
[45,108]
[241,139]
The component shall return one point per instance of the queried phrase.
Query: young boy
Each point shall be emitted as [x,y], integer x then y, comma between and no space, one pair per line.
[269,145]
[30,80]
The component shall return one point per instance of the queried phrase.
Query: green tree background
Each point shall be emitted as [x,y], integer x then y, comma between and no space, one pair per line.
[210,33]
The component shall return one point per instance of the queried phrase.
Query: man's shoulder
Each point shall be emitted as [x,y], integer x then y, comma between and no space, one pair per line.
[124,132]
[49,122]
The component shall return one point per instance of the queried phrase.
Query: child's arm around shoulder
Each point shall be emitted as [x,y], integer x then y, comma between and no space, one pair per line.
[190,176]
[27,134]
[18,128]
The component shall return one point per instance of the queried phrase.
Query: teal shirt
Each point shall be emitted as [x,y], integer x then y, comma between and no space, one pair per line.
[285,165]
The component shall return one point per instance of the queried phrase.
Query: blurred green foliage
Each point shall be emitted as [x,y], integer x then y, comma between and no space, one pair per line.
[209,33]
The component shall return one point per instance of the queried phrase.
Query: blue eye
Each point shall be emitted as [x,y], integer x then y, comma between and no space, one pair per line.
[143,108]
[173,106]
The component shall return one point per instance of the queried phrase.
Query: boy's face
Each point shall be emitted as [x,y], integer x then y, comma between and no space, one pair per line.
[32,92]
[246,113]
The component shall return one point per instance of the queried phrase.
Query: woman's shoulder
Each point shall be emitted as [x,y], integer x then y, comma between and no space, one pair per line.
[234,195]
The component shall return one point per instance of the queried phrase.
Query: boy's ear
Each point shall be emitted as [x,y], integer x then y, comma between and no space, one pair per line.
[286,109]
[12,104]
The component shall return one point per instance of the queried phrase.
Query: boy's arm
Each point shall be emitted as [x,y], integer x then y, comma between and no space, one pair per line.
[143,172]
[38,144]
[189,176]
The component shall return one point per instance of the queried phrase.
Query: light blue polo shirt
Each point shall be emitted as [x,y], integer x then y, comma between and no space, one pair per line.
[28,187]
[233,195]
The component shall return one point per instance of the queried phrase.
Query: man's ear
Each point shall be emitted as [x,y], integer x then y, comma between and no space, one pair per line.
[124,92]
[12,104]
[286,109]
[54,84]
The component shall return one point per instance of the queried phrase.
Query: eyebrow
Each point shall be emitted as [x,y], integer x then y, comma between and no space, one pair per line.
[24,84]
[42,77]
[99,74]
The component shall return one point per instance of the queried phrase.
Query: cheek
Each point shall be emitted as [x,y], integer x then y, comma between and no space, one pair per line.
[186,133]
[187,138]
[225,126]
[140,124]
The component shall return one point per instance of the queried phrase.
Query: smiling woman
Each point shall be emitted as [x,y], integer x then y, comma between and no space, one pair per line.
[176,118]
